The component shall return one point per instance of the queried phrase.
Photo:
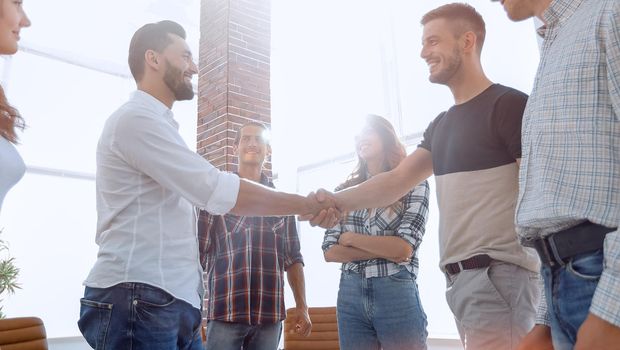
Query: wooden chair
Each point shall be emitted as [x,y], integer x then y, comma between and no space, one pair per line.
[22,333]
[324,334]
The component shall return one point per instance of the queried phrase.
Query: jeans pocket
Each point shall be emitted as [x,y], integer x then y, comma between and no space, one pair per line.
[588,267]
[154,297]
[402,276]
[155,307]
[94,322]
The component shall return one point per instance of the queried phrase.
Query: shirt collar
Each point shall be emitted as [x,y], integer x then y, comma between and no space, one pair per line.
[149,100]
[558,12]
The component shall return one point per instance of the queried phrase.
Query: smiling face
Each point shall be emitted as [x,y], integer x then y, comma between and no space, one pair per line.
[369,146]
[12,20]
[441,51]
[179,69]
[253,147]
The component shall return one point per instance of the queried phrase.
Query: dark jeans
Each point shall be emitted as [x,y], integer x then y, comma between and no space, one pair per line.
[569,290]
[138,316]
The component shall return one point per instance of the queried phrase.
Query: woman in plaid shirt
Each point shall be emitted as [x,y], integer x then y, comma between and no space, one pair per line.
[378,301]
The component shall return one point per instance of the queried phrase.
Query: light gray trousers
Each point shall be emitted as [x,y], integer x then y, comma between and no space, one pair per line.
[494,307]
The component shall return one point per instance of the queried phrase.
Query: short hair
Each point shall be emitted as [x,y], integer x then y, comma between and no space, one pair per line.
[260,125]
[151,36]
[463,18]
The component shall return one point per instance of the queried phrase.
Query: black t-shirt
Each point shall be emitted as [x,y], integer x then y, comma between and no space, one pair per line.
[474,147]
[482,133]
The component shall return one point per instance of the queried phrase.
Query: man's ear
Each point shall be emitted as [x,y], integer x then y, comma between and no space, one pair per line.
[469,40]
[235,150]
[152,59]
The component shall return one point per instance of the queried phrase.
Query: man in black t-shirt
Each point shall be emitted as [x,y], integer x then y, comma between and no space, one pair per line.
[474,149]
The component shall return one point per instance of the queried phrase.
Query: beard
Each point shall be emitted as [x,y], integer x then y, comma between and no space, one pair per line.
[517,11]
[453,64]
[175,80]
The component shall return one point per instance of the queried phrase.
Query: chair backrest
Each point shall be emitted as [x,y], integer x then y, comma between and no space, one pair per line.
[22,333]
[324,334]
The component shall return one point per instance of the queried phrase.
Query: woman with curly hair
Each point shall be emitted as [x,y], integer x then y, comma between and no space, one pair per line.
[12,167]
[378,304]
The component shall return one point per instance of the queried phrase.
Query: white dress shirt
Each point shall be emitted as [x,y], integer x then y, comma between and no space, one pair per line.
[148,182]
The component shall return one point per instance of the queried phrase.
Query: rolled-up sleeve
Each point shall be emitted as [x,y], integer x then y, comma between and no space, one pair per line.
[292,245]
[413,222]
[542,312]
[155,147]
[331,237]
[224,195]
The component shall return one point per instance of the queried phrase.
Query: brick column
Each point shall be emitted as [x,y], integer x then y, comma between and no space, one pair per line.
[233,77]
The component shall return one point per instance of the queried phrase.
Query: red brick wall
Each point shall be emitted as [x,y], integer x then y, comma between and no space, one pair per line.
[233,77]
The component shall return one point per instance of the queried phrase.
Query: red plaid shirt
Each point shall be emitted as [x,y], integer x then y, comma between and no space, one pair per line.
[244,259]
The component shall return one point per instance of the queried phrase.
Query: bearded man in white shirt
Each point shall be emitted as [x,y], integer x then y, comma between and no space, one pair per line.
[145,289]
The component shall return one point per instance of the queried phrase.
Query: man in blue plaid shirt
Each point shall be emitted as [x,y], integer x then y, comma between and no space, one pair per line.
[569,182]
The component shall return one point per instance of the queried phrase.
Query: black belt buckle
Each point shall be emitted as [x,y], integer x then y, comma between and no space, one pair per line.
[544,252]
[560,246]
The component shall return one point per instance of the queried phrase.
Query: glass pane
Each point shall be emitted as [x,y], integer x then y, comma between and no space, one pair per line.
[50,225]
[102,29]
[509,57]
[65,109]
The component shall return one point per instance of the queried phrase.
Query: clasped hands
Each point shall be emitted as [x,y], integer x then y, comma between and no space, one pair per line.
[322,209]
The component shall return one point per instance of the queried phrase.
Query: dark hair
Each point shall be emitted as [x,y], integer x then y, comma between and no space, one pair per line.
[10,119]
[151,36]
[462,17]
[238,135]
[393,149]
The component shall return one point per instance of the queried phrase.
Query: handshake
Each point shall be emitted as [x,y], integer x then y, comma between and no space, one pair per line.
[322,209]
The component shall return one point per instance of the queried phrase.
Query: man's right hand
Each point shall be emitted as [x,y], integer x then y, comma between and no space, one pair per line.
[539,338]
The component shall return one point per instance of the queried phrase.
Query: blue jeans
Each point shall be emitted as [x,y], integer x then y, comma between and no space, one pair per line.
[236,336]
[569,290]
[380,313]
[138,316]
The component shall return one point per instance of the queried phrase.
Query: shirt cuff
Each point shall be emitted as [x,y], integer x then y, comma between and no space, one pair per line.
[542,313]
[225,195]
[606,300]
[291,262]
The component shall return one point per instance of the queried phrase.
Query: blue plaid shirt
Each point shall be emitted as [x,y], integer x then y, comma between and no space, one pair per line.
[406,219]
[570,169]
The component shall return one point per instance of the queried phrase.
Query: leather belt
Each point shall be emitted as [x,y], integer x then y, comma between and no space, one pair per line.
[556,248]
[475,262]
